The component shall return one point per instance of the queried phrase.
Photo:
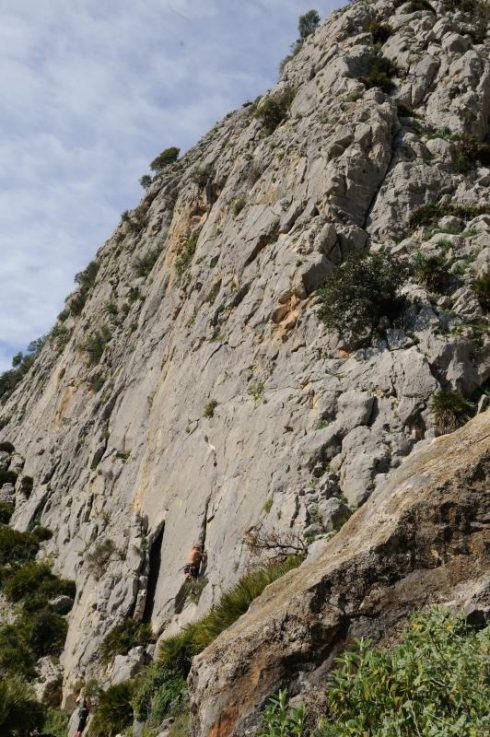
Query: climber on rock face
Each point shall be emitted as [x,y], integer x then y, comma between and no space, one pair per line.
[195,560]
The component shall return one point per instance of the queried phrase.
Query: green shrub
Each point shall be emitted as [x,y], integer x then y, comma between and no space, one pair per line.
[360,292]
[35,579]
[167,157]
[123,637]
[450,410]
[113,713]
[379,73]
[308,23]
[94,345]
[20,713]
[144,264]
[380,32]
[7,477]
[21,364]
[272,110]
[432,272]
[279,719]
[184,259]
[99,558]
[56,723]
[16,546]
[176,652]
[238,205]
[60,336]
[202,175]
[86,280]
[145,181]
[481,287]
[158,692]
[209,408]
[6,511]
[16,657]
[434,683]
[45,632]
[433,211]
[414,5]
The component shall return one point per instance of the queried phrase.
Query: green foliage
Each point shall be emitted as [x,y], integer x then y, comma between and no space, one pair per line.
[308,23]
[144,264]
[20,713]
[432,272]
[113,712]
[209,408]
[7,477]
[450,409]
[56,723]
[21,364]
[145,181]
[238,205]
[202,175]
[433,211]
[435,683]
[60,336]
[360,292]
[16,546]
[123,637]
[100,556]
[167,157]
[86,280]
[380,32]
[6,511]
[272,110]
[45,632]
[16,657]
[380,72]
[95,344]
[481,287]
[34,578]
[184,259]
[158,692]
[177,651]
[279,719]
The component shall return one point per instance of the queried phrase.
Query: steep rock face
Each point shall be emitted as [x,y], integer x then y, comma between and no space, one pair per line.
[421,540]
[209,397]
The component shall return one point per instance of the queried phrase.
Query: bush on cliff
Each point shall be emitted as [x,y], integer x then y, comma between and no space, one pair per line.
[123,637]
[450,409]
[435,682]
[113,712]
[20,713]
[360,292]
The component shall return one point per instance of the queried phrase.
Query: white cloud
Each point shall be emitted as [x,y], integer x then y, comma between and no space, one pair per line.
[92,91]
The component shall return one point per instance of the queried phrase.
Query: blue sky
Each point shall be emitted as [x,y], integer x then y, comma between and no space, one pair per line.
[90,92]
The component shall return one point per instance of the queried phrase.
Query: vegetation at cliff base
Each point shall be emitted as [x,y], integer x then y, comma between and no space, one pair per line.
[434,683]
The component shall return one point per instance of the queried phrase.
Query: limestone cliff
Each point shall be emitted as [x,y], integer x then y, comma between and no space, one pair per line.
[189,391]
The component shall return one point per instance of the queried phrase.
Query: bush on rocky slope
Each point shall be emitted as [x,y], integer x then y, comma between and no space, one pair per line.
[450,410]
[274,109]
[360,292]
[434,682]
[123,637]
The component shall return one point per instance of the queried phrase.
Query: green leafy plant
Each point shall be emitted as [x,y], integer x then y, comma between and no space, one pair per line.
[184,259]
[481,287]
[6,511]
[307,25]
[380,32]
[209,408]
[364,289]
[158,692]
[167,157]
[113,712]
[95,343]
[100,556]
[123,637]
[20,713]
[450,410]
[272,110]
[144,264]
[433,683]
[433,211]
[380,72]
[432,272]
[146,181]
[21,365]
[279,719]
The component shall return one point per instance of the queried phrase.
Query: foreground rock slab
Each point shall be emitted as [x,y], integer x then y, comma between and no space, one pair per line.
[421,540]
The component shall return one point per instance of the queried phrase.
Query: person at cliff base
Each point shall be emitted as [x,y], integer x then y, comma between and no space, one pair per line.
[83,713]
